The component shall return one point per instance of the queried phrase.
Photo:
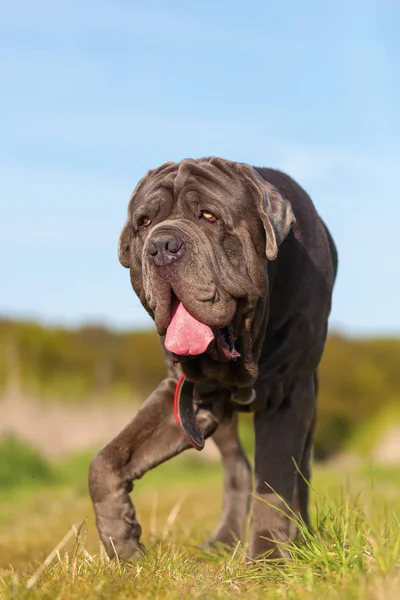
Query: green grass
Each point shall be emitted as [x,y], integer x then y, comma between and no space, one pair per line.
[354,552]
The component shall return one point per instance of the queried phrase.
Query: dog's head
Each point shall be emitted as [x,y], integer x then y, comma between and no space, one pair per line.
[197,241]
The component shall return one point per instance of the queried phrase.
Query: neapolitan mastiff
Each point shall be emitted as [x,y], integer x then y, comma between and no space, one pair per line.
[236,268]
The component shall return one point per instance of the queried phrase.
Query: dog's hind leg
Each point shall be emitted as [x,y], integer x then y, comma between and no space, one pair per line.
[304,477]
[302,492]
[152,437]
[281,438]
[237,484]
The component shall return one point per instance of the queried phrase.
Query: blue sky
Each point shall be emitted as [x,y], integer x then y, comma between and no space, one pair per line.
[95,93]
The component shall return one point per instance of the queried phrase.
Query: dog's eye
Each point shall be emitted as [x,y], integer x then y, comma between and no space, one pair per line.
[144,222]
[208,216]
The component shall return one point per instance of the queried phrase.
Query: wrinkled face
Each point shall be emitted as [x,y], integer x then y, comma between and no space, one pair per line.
[195,243]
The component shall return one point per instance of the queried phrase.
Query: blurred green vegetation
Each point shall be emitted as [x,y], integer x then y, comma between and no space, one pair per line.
[56,363]
[22,466]
[359,378]
[24,469]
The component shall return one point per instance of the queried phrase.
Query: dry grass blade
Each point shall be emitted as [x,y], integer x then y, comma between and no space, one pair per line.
[234,552]
[115,551]
[80,541]
[172,517]
[55,552]
[153,518]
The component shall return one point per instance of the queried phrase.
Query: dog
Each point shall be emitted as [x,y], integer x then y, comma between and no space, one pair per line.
[236,269]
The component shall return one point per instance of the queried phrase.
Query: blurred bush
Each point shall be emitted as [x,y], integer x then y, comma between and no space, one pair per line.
[22,465]
[357,377]
[66,364]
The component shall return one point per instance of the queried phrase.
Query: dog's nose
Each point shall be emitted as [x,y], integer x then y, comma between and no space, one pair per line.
[165,249]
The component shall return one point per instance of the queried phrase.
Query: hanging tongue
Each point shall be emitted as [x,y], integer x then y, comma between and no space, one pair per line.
[186,336]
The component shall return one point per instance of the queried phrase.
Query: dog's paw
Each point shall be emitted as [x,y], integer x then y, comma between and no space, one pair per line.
[123,550]
[262,547]
[222,538]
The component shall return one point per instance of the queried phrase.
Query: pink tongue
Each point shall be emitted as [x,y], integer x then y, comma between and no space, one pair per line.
[186,336]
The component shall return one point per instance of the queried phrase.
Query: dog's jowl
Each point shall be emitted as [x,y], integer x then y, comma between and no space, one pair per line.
[236,268]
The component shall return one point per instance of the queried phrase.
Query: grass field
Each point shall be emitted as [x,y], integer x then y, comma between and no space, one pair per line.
[354,553]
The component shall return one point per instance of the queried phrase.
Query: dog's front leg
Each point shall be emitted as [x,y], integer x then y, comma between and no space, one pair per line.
[237,484]
[151,438]
[281,441]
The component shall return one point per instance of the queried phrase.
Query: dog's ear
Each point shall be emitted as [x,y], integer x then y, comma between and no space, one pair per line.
[275,211]
[277,217]
[124,245]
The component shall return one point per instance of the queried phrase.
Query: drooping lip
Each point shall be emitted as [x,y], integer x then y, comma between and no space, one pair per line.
[221,346]
[225,342]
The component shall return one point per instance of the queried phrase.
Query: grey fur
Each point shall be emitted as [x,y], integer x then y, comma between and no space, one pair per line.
[268,267]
